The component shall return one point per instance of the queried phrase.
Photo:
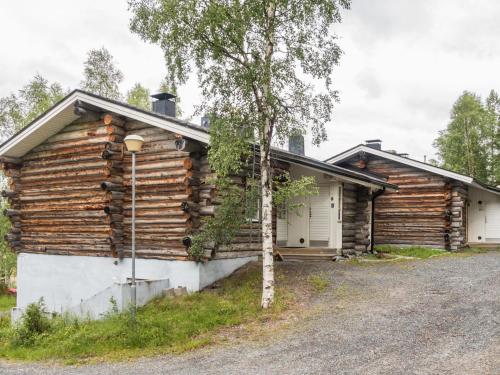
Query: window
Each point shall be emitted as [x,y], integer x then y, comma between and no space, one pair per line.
[252,210]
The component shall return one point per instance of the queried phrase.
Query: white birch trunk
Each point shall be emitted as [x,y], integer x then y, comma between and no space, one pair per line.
[265,170]
[267,228]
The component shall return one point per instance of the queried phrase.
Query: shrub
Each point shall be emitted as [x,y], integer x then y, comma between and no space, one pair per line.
[34,323]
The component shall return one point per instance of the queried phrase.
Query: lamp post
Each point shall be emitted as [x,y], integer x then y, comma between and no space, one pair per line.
[134,144]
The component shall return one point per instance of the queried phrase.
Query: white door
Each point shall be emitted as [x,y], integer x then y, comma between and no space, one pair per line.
[319,218]
[298,225]
[492,221]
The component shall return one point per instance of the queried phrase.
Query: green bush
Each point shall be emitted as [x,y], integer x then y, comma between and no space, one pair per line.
[34,323]
[7,256]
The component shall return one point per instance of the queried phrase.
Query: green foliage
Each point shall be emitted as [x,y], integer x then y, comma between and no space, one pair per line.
[223,226]
[287,190]
[100,75]
[259,58]
[34,323]
[470,143]
[231,214]
[34,98]
[410,251]
[493,137]
[7,256]
[165,86]
[139,96]
[7,302]
[229,146]
[164,325]
[264,68]
[318,282]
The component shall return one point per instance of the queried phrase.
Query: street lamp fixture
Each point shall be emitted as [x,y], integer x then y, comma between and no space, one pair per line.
[134,145]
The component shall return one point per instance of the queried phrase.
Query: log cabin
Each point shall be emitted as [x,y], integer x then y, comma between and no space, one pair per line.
[433,206]
[69,190]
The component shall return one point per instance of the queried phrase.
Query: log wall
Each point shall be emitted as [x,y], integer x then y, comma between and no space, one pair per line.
[424,211]
[71,195]
[457,212]
[56,191]
[356,219]
[248,241]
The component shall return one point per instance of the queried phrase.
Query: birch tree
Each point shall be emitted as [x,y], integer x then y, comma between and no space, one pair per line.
[19,109]
[469,144]
[100,74]
[139,96]
[265,71]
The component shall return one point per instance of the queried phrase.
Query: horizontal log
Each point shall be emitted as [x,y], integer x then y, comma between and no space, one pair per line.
[13,162]
[71,229]
[11,213]
[85,173]
[113,146]
[10,194]
[183,144]
[153,205]
[73,143]
[112,155]
[64,241]
[180,182]
[110,186]
[146,175]
[115,195]
[149,131]
[157,220]
[109,119]
[65,247]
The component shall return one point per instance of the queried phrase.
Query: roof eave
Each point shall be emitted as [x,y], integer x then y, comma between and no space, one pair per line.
[413,163]
[14,145]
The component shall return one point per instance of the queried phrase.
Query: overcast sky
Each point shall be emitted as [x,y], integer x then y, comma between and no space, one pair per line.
[405,61]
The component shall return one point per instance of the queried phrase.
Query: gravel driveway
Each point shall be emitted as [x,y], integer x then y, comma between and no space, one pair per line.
[438,316]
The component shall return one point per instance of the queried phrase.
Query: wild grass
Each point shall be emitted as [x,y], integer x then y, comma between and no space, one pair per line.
[7,302]
[410,251]
[318,282]
[162,326]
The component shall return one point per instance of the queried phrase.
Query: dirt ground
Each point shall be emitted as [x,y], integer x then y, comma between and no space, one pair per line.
[435,316]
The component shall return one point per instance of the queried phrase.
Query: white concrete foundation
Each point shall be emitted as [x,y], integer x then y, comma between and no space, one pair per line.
[66,282]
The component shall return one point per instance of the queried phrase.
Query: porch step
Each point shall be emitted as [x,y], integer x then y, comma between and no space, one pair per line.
[308,257]
[306,250]
[484,245]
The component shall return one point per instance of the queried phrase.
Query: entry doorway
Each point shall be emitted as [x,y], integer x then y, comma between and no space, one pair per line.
[318,223]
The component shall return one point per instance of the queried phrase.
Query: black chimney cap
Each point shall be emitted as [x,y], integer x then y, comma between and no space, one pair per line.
[163,96]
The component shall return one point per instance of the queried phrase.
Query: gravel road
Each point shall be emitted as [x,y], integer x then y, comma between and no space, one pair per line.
[438,316]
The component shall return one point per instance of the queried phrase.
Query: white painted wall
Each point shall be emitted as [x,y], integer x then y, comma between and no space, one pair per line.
[101,303]
[478,216]
[217,269]
[67,281]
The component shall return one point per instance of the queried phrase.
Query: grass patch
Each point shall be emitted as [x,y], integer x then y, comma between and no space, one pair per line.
[475,250]
[164,325]
[411,251]
[318,282]
[7,302]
